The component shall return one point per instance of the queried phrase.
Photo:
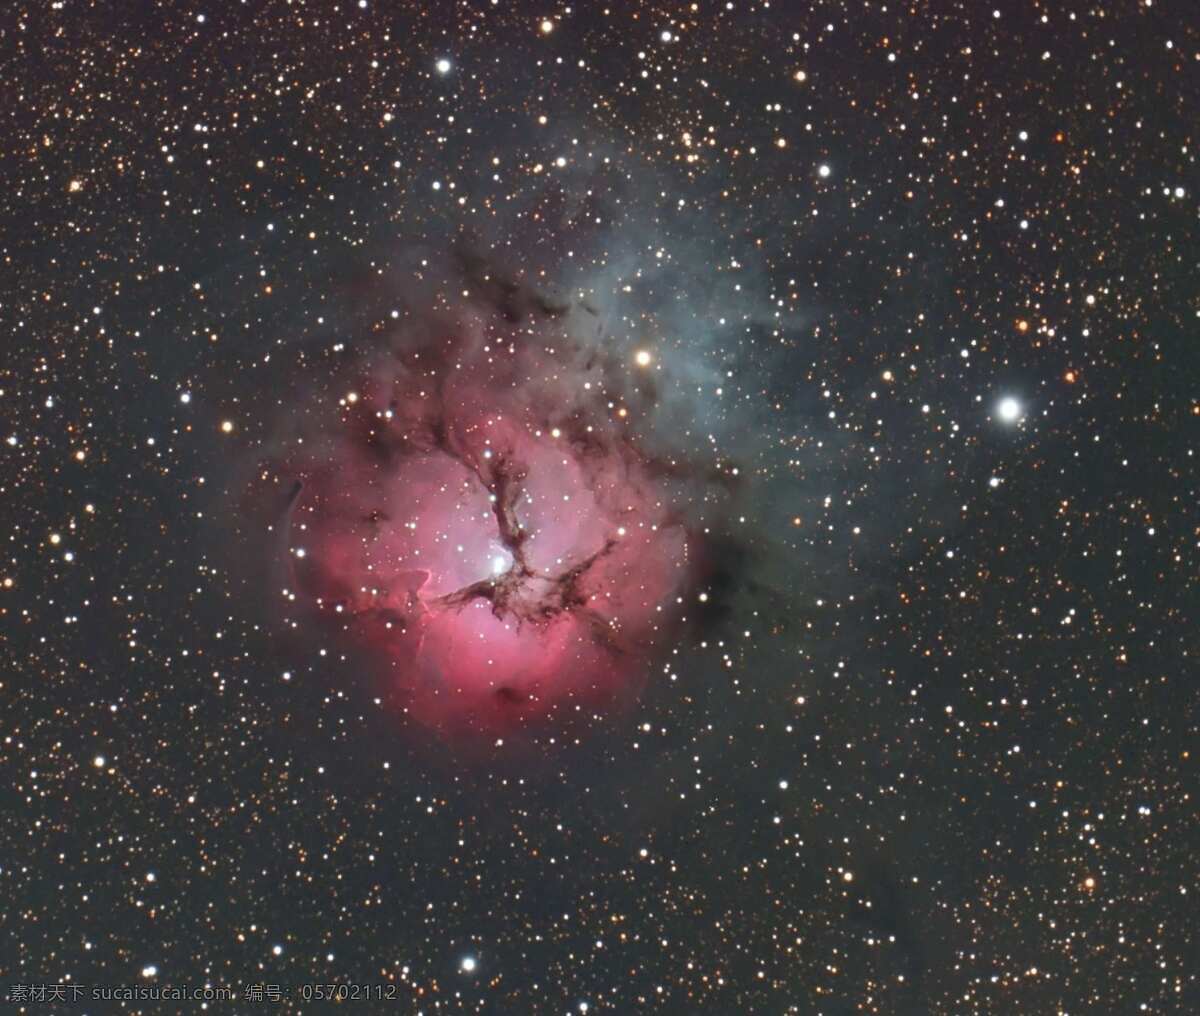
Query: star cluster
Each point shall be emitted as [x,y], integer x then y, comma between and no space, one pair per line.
[896,305]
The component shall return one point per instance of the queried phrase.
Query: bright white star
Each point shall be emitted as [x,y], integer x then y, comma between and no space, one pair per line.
[1009,410]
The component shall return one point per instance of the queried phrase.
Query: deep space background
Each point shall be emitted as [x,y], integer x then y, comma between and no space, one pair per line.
[917,287]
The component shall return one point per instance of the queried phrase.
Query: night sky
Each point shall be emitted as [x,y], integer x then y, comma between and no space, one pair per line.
[632,508]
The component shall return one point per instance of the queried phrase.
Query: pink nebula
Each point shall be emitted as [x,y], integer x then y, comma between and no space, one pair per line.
[488,533]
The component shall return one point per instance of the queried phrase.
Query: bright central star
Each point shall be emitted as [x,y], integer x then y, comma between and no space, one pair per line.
[1009,410]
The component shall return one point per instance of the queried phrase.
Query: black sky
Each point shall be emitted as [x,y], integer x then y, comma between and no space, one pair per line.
[931,749]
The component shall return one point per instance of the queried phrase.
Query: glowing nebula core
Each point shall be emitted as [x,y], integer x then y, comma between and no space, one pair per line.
[479,521]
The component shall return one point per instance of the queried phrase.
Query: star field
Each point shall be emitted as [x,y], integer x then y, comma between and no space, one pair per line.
[891,308]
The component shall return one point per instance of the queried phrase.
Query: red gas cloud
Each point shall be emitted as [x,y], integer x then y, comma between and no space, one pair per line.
[480,522]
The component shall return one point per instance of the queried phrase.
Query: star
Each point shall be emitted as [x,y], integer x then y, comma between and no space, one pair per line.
[1009,409]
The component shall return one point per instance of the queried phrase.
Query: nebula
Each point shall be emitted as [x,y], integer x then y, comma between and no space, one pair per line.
[486,515]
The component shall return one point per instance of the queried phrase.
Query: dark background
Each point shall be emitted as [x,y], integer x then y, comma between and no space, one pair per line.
[981,697]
